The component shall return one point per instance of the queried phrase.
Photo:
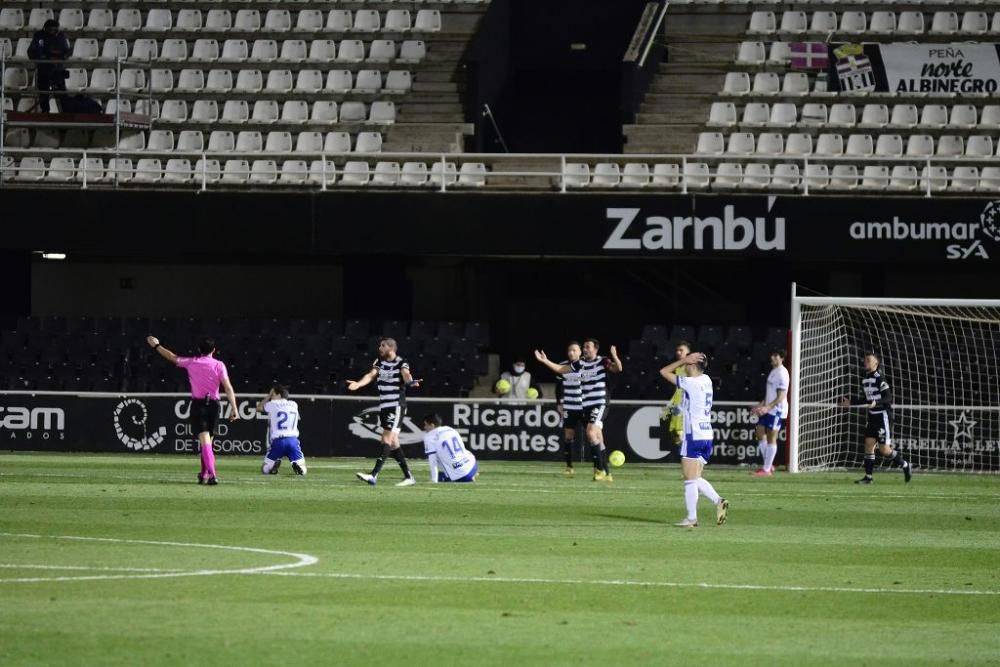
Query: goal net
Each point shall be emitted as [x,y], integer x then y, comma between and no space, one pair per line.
[940,358]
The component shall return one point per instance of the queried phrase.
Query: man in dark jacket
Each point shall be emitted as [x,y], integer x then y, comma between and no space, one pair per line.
[49,49]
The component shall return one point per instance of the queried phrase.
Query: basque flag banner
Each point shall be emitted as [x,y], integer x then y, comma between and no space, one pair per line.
[809,55]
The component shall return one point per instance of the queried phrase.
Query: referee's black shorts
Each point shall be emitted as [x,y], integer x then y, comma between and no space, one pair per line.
[204,415]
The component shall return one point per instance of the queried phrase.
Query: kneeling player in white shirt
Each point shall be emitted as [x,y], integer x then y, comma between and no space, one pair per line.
[696,447]
[449,460]
[283,431]
[772,411]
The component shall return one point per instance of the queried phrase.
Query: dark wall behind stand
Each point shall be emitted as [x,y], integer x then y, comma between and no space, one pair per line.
[547,95]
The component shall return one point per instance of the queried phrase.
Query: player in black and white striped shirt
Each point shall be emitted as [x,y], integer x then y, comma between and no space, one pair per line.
[569,402]
[878,430]
[593,369]
[392,373]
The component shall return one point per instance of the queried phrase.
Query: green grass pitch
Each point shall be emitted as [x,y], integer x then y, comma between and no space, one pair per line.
[523,568]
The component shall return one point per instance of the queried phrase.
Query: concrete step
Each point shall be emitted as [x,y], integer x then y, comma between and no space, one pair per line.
[678,138]
[688,83]
[717,53]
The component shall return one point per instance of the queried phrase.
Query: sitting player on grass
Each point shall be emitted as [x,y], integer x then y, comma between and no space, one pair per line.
[443,446]
[283,431]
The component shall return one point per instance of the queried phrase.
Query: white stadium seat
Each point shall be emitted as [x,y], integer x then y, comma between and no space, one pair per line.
[722,114]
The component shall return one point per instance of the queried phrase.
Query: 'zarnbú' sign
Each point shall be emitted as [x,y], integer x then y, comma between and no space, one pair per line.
[648,224]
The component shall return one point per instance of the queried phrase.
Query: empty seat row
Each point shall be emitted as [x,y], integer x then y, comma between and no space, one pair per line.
[222,20]
[218,141]
[105,80]
[899,116]
[259,50]
[341,81]
[797,84]
[792,84]
[238,50]
[791,176]
[241,171]
[262,111]
[880,23]
[980,146]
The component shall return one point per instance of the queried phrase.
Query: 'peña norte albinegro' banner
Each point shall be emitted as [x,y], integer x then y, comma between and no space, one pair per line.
[510,430]
[915,69]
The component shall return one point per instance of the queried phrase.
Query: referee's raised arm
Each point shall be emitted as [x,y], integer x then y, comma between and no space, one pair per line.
[154,343]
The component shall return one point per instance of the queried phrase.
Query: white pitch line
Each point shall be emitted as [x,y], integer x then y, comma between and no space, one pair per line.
[302,560]
[628,582]
[85,568]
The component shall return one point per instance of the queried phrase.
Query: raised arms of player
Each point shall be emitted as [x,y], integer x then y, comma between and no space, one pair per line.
[366,379]
[264,401]
[616,364]
[668,371]
[408,378]
[552,366]
[154,343]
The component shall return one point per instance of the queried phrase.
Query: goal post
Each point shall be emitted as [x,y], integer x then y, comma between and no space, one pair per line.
[941,358]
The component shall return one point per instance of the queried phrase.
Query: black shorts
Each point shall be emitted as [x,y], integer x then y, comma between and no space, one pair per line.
[879,426]
[595,414]
[204,415]
[391,419]
[573,419]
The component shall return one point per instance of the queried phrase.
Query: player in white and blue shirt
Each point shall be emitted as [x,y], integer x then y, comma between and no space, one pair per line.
[772,413]
[447,456]
[696,447]
[282,432]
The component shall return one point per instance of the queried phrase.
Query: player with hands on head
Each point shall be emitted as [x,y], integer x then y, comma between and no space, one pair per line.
[283,431]
[696,448]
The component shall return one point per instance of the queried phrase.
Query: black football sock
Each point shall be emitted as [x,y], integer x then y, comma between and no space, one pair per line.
[380,461]
[869,464]
[401,460]
[604,460]
[568,452]
[595,456]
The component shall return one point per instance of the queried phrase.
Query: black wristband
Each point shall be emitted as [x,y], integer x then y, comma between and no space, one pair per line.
[157,346]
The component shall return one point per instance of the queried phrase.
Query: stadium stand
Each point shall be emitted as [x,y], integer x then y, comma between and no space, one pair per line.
[730,92]
[377,82]
[200,67]
[316,356]
[312,356]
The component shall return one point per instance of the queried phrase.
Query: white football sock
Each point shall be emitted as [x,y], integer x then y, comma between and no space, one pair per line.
[762,450]
[707,490]
[691,498]
[769,453]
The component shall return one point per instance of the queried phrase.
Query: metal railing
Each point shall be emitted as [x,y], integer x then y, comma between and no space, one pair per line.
[443,171]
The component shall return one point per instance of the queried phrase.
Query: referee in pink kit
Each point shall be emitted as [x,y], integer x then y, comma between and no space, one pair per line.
[206,373]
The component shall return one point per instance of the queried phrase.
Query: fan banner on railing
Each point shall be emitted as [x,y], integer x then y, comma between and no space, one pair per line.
[905,69]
